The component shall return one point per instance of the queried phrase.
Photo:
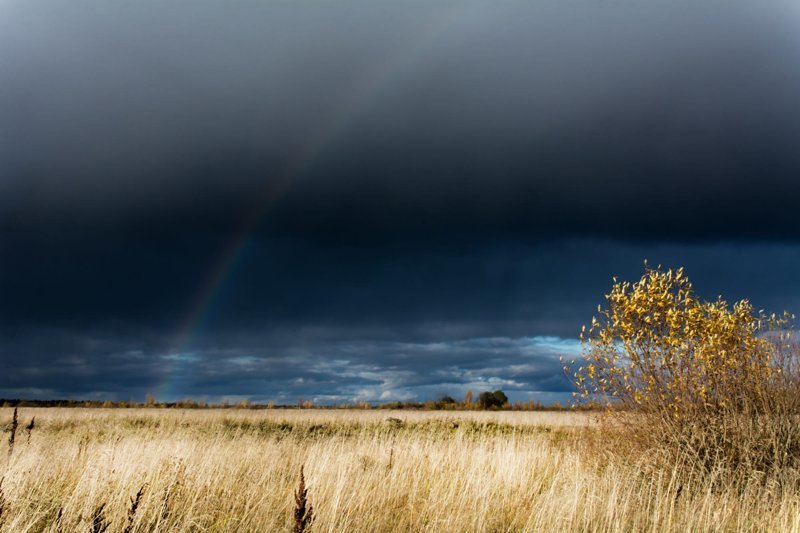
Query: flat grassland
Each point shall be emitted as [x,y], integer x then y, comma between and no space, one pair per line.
[237,470]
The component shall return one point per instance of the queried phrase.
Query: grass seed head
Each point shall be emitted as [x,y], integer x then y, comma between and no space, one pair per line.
[303,511]
[135,502]
[12,432]
[29,428]
[99,521]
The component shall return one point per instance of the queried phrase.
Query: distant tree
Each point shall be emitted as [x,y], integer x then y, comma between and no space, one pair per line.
[468,397]
[501,397]
[445,401]
[488,400]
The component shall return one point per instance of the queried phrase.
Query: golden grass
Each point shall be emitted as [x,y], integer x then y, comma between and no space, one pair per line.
[225,470]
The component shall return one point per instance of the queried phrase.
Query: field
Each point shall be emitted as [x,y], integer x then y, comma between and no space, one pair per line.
[237,470]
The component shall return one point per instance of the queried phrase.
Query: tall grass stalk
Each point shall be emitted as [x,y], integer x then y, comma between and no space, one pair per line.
[303,510]
[12,432]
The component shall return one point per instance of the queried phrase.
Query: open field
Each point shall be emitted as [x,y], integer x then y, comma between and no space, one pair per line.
[236,470]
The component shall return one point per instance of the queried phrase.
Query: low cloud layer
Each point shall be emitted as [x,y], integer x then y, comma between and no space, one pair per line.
[322,371]
[397,328]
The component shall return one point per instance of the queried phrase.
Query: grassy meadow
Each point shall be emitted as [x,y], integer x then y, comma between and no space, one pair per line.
[238,470]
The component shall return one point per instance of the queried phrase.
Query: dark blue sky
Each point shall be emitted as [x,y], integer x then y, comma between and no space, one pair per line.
[369,200]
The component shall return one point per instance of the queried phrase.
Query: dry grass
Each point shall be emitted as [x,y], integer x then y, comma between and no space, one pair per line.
[465,471]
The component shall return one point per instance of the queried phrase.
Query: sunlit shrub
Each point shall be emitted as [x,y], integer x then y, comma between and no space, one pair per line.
[713,382]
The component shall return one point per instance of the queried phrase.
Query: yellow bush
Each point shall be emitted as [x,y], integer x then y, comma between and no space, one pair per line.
[676,367]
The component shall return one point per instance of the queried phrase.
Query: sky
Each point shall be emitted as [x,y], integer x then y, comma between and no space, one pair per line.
[373,200]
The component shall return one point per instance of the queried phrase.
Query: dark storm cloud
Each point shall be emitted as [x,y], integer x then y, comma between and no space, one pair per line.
[432,197]
[671,120]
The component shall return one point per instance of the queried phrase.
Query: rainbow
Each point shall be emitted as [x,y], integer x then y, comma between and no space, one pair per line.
[178,362]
